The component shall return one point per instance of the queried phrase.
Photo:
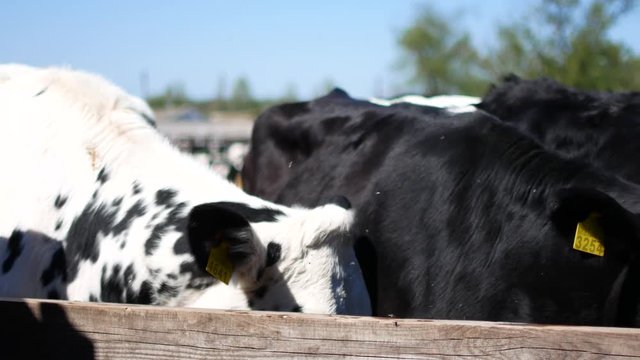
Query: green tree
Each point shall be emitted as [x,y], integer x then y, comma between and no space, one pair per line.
[221,88]
[566,40]
[440,59]
[569,42]
[518,52]
[173,95]
[241,98]
[290,94]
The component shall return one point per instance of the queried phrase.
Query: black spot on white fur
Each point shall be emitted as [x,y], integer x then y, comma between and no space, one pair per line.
[129,275]
[174,220]
[14,249]
[165,197]
[187,267]
[82,238]
[273,253]
[137,189]
[146,293]
[60,201]
[137,210]
[57,268]
[252,214]
[198,279]
[112,287]
[103,176]
[181,246]
[41,92]
[95,219]
[117,286]
[168,290]
[172,276]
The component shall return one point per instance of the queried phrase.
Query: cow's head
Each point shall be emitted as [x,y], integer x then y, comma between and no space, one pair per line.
[285,259]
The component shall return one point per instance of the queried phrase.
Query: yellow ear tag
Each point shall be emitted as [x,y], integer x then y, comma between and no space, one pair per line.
[219,265]
[588,235]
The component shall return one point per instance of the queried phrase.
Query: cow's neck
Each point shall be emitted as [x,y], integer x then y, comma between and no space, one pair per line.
[530,172]
[147,158]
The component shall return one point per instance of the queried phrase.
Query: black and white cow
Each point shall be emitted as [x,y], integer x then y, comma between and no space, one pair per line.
[459,216]
[96,206]
[601,128]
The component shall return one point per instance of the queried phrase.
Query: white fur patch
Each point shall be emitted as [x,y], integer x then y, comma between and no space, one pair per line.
[452,103]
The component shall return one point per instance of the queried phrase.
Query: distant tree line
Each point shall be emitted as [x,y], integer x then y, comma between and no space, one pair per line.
[566,40]
[239,98]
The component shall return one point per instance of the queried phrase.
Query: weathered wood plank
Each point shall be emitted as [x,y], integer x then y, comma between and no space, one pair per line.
[32,329]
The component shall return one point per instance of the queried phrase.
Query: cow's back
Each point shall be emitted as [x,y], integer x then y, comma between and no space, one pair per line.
[599,128]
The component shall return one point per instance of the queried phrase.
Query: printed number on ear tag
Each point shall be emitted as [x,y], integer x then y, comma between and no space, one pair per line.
[219,265]
[588,236]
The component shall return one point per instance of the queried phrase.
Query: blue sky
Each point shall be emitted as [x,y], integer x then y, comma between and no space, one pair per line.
[275,44]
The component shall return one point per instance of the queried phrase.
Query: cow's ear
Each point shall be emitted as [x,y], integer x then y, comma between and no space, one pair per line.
[213,225]
[619,227]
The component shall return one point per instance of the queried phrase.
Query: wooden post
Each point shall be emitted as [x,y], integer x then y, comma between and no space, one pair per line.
[71,330]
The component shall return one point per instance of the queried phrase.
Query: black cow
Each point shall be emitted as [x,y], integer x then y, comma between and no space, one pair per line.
[460,216]
[602,128]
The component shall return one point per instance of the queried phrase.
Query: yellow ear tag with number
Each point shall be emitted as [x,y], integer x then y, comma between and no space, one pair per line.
[219,265]
[588,236]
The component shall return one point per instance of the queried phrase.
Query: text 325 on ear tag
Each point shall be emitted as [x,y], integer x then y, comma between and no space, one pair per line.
[588,236]
[219,265]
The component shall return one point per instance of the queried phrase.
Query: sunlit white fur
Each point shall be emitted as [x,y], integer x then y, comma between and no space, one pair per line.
[452,103]
[60,127]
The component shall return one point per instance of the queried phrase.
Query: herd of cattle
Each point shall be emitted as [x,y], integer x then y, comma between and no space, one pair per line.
[443,208]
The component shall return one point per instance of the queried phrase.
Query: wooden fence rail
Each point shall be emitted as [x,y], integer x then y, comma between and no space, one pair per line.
[33,329]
